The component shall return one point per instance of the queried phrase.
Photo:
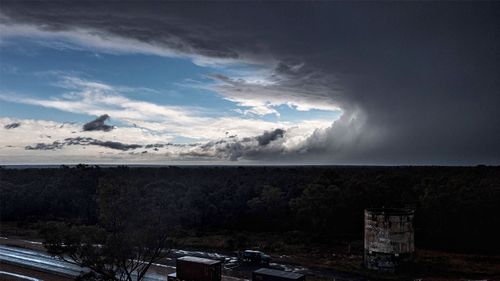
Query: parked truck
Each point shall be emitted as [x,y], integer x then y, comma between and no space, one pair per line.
[190,268]
[267,274]
[255,257]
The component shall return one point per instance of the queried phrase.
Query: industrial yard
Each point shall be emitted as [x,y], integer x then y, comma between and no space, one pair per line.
[17,256]
[318,265]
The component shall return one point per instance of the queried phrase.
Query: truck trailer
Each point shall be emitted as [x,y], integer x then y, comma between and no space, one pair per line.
[267,274]
[190,268]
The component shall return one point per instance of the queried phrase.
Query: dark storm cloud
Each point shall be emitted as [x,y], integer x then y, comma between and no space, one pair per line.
[12,125]
[154,23]
[294,84]
[98,124]
[417,82]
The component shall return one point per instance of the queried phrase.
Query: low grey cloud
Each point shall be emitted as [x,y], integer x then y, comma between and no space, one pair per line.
[45,146]
[108,144]
[98,124]
[83,141]
[12,125]
[268,137]
[234,149]
[417,82]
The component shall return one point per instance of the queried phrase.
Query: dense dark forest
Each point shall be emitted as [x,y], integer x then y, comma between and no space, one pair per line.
[457,208]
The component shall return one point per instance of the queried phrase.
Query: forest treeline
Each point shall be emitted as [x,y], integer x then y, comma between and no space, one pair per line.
[457,208]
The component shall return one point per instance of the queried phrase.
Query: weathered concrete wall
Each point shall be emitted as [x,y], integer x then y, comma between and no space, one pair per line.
[389,238]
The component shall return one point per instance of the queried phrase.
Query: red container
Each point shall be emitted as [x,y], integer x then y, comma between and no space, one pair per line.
[198,269]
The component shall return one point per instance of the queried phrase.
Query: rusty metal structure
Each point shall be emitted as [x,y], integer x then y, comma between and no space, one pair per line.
[389,239]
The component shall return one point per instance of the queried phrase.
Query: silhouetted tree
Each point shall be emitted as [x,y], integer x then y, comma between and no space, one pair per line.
[131,235]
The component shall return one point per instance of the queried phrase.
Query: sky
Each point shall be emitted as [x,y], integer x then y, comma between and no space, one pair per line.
[347,83]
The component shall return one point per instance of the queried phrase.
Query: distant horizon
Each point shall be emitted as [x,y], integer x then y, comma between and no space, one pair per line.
[20,166]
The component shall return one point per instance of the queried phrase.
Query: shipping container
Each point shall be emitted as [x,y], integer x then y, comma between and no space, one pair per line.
[267,274]
[196,269]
